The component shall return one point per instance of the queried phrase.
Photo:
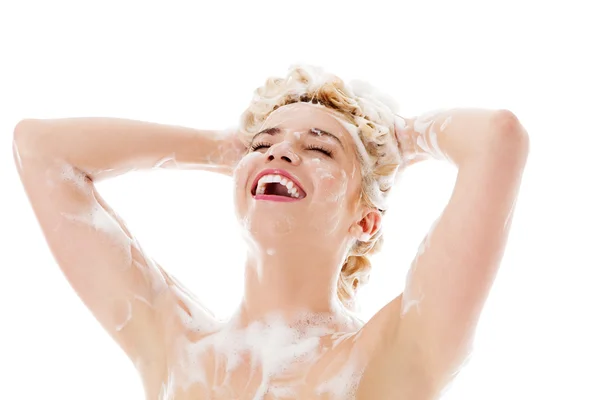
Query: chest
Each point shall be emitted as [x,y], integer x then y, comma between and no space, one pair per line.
[262,364]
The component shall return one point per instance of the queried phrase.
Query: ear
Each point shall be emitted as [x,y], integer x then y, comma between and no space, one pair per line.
[367,226]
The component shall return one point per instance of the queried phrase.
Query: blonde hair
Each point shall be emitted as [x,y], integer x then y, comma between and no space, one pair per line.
[364,111]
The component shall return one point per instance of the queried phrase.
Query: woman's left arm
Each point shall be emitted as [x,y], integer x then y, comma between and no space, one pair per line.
[455,266]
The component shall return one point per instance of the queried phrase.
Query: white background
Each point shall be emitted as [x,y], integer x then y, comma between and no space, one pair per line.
[197,64]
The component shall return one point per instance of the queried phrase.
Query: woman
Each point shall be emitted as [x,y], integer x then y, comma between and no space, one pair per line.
[312,165]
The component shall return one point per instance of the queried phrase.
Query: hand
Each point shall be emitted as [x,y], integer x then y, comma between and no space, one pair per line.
[410,151]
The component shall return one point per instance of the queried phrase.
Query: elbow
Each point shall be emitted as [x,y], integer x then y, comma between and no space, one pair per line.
[23,125]
[22,133]
[510,134]
[506,123]
[30,132]
[25,142]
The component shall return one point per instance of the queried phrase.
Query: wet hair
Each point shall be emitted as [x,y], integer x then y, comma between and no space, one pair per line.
[369,116]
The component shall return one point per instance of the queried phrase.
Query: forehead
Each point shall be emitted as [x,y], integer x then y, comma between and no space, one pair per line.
[303,116]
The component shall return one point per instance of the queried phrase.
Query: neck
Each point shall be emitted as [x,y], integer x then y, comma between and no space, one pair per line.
[289,281]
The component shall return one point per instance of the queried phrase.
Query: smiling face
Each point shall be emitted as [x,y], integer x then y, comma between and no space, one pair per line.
[307,149]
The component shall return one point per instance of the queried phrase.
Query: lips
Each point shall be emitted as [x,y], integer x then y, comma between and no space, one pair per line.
[281,172]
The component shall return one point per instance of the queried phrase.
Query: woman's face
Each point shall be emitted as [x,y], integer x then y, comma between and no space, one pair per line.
[307,147]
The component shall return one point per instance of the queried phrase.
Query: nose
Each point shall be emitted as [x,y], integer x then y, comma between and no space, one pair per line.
[283,151]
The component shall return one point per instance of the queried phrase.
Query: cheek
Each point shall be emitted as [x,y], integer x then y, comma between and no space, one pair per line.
[331,181]
[241,175]
[242,170]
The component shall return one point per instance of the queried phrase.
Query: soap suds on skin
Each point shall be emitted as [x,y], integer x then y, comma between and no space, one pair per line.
[445,123]
[95,215]
[427,140]
[281,353]
[120,326]
[78,178]
[343,384]
[17,156]
[413,294]
[194,316]
[277,354]
[167,391]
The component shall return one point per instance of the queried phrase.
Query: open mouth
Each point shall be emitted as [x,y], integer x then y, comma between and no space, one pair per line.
[275,185]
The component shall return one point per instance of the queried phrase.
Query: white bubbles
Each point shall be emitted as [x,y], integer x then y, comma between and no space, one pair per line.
[128,313]
[68,173]
[100,220]
[410,301]
[324,174]
[247,223]
[167,389]
[166,162]
[343,188]
[275,351]
[427,141]
[148,268]
[244,161]
[143,300]
[445,123]
[413,292]
[228,154]
[509,217]
[17,156]
[191,313]
[399,122]
[344,384]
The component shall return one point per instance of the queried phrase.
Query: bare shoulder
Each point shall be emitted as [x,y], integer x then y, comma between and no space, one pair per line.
[397,367]
[382,327]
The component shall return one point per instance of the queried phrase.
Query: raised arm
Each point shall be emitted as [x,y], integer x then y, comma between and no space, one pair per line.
[430,327]
[59,161]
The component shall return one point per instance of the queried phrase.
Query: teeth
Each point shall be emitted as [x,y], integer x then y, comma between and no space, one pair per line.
[291,188]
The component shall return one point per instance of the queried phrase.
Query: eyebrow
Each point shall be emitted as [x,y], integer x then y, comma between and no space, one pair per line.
[313,131]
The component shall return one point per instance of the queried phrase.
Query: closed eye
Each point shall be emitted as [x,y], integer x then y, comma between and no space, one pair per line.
[323,150]
[258,146]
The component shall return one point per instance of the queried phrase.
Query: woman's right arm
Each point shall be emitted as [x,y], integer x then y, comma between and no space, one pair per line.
[59,161]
